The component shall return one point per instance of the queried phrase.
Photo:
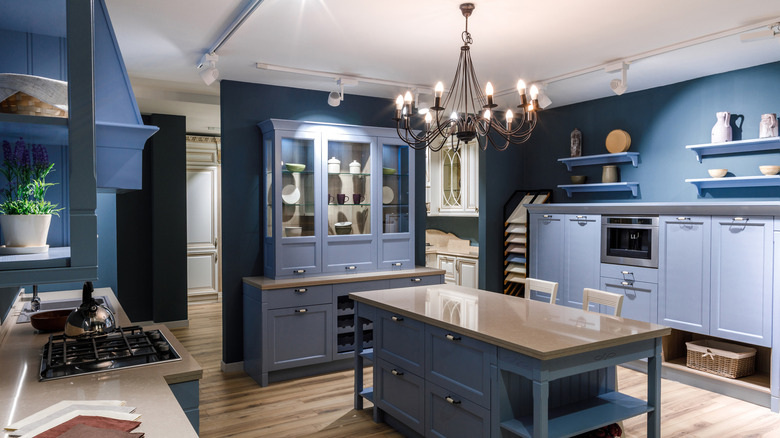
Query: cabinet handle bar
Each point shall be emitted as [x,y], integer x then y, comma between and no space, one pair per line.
[301,290]
[397,318]
[452,338]
[301,310]
[451,400]
[395,372]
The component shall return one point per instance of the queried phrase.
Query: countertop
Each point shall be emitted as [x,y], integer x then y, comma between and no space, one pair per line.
[144,387]
[265,283]
[452,252]
[769,208]
[533,328]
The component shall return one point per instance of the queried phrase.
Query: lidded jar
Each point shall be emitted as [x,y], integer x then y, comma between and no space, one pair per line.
[354,167]
[334,165]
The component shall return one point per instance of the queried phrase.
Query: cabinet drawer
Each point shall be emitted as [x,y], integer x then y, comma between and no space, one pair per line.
[459,364]
[415,281]
[450,415]
[400,340]
[401,394]
[629,273]
[639,298]
[298,296]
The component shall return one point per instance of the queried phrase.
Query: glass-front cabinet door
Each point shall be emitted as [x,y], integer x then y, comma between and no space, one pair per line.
[397,205]
[349,243]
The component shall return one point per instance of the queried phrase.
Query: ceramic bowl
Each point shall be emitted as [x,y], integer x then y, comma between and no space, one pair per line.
[343,227]
[292,231]
[50,321]
[769,170]
[717,173]
[577,179]
[388,171]
[295,167]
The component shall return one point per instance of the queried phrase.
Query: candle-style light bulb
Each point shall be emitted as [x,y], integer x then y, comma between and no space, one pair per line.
[399,102]
[509,116]
[408,97]
[454,116]
[439,89]
[534,92]
[521,86]
[489,89]
[487,114]
[428,118]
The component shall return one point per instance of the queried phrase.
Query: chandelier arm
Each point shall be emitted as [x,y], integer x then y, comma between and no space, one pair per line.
[415,143]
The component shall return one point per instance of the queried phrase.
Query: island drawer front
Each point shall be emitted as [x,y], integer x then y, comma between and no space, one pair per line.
[400,340]
[629,273]
[459,363]
[298,296]
[415,281]
[401,394]
[451,415]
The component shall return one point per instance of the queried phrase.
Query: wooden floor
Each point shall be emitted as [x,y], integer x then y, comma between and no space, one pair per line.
[233,405]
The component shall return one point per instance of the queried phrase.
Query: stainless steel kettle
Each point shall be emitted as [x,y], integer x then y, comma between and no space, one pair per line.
[90,318]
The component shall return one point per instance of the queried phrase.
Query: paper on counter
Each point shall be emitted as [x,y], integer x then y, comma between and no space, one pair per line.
[29,432]
[58,407]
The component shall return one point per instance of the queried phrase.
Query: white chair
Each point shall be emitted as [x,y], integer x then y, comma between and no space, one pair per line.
[544,286]
[596,296]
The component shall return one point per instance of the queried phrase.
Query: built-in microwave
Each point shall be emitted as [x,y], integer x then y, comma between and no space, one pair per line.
[630,240]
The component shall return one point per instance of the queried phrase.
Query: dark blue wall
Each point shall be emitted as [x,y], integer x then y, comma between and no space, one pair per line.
[243,106]
[661,122]
[463,227]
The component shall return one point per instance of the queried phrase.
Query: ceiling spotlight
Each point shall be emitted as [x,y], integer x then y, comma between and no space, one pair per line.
[618,86]
[542,97]
[208,68]
[335,98]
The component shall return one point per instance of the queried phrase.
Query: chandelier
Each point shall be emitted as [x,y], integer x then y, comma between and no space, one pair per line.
[466,113]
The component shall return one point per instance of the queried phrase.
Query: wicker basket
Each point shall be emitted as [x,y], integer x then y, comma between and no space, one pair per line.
[22,103]
[721,358]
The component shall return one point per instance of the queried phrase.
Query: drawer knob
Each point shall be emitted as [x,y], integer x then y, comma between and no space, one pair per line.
[452,338]
[451,400]
[416,280]
[301,290]
[301,310]
[397,318]
[299,271]
[396,372]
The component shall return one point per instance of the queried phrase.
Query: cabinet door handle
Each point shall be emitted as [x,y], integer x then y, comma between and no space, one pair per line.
[626,273]
[547,216]
[301,290]
[398,264]
[452,338]
[582,217]
[740,219]
[299,271]
[627,283]
[683,218]
[451,400]
[395,372]
[350,268]
[301,310]
[416,280]
[397,318]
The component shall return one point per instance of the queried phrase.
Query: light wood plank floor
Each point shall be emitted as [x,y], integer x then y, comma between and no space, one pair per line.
[233,405]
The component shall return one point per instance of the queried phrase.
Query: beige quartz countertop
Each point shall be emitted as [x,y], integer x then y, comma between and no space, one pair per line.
[533,328]
[770,208]
[451,252]
[145,387]
[265,283]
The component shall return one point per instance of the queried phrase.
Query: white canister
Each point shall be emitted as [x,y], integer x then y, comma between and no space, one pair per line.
[354,167]
[334,165]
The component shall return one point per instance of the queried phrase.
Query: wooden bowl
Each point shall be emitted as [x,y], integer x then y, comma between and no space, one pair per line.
[769,170]
[717,173]
[51,320]
[577,179]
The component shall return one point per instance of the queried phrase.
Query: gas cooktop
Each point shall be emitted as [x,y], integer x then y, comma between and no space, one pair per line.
[126,347]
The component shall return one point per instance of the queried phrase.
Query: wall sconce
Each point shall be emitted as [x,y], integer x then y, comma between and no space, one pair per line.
[209,74]
[618,86]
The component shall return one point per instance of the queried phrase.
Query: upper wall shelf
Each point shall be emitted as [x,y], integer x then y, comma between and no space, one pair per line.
[735,181]
[619,157]
[731,147]
[601,187]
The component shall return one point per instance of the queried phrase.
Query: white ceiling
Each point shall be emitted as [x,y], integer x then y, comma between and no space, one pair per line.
[417,42]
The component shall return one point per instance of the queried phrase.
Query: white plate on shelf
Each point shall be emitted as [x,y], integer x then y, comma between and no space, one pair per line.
[387,195]
[13,250]
[290,194]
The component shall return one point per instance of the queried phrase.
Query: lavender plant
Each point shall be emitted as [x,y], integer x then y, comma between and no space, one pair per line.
[26,180]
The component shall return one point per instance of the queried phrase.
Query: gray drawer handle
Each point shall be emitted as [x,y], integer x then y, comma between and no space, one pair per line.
[740,219]
[416,280]
[301,310]
[452,338]
[627,283]
[451,400]
[582,217]
[626,273]
[350,268]
[397,318]
[301,290]
[547,216]
[299,271]
[683,218]
[398,264]
[395,372]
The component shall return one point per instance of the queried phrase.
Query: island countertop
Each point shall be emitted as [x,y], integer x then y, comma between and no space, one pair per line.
[536,329]
[145,388]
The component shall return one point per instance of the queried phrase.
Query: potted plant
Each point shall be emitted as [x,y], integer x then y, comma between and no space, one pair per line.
[25,214]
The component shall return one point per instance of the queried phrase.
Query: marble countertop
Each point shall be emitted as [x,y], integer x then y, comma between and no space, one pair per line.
[769,208]
[144,387]
[451,252]
[265,283]
[533,328]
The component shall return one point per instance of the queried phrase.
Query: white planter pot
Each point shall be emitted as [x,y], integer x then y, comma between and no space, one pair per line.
[21,230]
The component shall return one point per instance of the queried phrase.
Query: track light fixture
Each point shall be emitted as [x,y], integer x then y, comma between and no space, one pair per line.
[618,86]
[542,97]
[335,97]
[208,68]
[772,31]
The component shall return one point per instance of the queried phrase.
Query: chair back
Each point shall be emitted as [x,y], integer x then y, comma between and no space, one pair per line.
[544,286]
[596,296]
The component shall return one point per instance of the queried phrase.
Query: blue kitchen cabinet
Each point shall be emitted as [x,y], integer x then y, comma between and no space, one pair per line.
[684,273]
[336,199]
[449,414]
[741,279]
[582,242]
[639,287]
[547,249]
[302,336]
[400,393]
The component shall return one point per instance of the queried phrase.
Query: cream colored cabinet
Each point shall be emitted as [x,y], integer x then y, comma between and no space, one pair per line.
[459,270]
[447,264]
[454,180]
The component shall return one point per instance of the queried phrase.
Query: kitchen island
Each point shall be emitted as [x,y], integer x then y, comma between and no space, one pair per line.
[148,388]
[453,361]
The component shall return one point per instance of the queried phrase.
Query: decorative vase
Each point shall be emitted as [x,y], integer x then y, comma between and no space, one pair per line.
[768,127]
[576,143]
[609,174]
[22,230]
[721,132]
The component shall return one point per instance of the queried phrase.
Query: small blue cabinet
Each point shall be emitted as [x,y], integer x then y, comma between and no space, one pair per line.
[684,273]
[580,267]
[547,248]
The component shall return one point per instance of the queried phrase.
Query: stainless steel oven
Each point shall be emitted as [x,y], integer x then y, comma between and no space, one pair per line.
[630,240]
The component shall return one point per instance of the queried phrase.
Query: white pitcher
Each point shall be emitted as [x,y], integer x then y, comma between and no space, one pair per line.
[721,132]
[768,127]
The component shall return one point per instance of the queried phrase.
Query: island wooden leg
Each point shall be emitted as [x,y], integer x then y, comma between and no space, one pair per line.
[358,362]
[541,399]
[654,391]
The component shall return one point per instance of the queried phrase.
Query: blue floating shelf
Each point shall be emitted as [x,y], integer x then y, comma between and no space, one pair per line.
[732,147]
[620,157]
[735,181]
[601,187]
